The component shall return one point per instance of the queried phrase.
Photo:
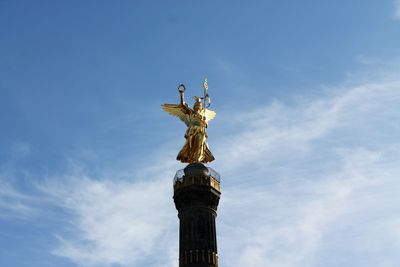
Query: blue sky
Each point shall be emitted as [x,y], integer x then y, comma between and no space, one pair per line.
[306,138]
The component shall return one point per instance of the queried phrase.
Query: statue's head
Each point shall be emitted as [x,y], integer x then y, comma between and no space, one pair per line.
[197,104]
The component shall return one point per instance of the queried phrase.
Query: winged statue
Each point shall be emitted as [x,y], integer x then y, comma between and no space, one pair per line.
[196,119]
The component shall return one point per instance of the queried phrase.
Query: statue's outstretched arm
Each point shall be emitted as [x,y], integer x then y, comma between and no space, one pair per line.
[184,107]
[182,97]
[180,110]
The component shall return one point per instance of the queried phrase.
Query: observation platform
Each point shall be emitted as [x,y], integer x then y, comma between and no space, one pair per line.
[197,174]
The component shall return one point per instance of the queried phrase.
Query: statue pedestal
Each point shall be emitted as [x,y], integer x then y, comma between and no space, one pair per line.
[196,197]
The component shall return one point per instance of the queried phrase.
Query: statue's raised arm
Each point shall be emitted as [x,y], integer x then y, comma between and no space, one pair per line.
[181,110]
[196,119]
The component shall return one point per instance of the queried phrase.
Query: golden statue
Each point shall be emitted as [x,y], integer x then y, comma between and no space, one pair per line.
[196,119]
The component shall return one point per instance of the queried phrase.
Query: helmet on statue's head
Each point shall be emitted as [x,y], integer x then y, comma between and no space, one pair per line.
[197,104]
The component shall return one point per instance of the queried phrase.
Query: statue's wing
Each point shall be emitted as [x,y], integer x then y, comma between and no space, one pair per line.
[210,115]
[177,110]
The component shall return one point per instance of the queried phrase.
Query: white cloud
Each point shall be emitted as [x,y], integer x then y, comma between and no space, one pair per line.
[299,174]
[300,183]
[14,203]
[287,222]
[276,131]
[397,8]
[118,222]
[277,222]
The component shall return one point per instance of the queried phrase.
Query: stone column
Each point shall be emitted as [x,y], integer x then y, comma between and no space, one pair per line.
[196,197]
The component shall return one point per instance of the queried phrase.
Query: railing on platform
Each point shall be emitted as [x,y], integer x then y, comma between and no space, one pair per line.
[211,172]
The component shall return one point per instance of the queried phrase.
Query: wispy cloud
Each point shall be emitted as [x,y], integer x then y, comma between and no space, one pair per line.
[277,131]
[116,222]
[397,8]
[289,222]
[273,221]
[13,202]
[300,183]
[299,174]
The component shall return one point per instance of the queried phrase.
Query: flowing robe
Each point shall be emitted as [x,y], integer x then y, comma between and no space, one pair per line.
[196,147]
